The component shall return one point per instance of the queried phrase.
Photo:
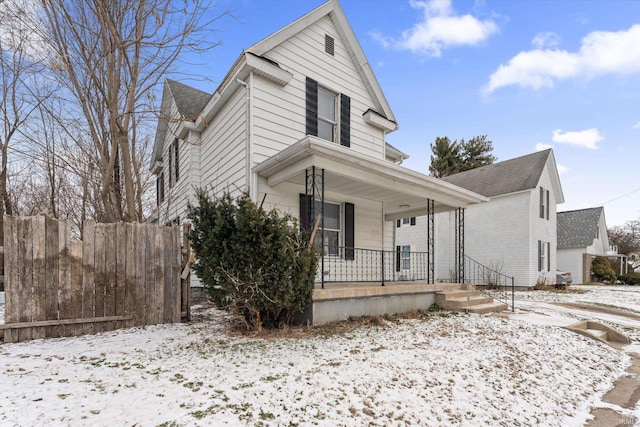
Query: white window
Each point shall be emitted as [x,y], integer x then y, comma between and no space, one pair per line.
[405,258]
[406,221]
[327,117]
[544,203]
[544,256]
[330,241]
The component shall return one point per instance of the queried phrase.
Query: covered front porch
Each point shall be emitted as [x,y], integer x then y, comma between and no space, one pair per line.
[352,200]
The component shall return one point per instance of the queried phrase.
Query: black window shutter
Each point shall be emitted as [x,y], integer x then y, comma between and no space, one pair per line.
[170,169]
[413,220]
[548,256]
[312,107]
[305,213]
[177,159]
[398,248]
[160,188]
[397,223]
[547,204]
[349,231]
[158,201]
[539,255]
[345,120]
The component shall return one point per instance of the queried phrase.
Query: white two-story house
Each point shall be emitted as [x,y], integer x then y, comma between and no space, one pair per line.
[300,122]
[514,233]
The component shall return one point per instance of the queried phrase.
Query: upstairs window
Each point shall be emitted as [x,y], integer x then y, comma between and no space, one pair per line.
[328,114]
[174,162]
[544,203]
[160,189]
[327,118]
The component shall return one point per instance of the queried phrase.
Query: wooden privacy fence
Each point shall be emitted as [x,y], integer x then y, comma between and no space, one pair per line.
[120,275]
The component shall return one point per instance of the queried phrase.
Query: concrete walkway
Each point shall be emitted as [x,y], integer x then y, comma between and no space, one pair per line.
[618,405]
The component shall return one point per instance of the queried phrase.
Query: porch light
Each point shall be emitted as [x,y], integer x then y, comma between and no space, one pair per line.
[405,206]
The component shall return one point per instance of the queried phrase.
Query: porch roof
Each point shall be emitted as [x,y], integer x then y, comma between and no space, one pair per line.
[403,191]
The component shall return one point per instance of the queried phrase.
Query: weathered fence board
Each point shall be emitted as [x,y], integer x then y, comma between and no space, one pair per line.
[52,256]
[11,297]
[88,273]
[119,275]
[39,275]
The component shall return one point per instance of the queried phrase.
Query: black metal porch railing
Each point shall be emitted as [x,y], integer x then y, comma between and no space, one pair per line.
[341,264]
[490,282]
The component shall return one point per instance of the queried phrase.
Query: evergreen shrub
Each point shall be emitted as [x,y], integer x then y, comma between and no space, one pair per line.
[251,261]
[602,271]
[630,279]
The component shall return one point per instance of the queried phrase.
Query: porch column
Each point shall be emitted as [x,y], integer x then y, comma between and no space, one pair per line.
[431,276]
[459,244]
[314,189]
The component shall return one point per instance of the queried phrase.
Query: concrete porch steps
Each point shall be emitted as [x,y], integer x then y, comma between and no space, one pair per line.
[471,301]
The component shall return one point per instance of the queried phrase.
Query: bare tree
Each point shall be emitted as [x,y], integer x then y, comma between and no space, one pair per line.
[21,93]
[111,56]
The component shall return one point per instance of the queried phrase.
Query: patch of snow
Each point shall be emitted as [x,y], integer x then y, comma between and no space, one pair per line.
[627,297]
[1,314]
[450,369]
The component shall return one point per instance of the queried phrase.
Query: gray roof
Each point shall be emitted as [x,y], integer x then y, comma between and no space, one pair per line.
[509,176]
[190,101]
[577,229]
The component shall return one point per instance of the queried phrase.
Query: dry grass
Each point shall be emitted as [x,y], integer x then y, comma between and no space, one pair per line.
[236,327]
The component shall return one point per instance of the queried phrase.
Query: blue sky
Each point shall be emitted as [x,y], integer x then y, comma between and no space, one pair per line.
[529,74]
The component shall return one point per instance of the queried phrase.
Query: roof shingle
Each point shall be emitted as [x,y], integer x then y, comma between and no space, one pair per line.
[578,228]
[509,176]
[190,101]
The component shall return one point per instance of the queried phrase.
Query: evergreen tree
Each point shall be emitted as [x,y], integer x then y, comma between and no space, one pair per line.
[446,158]
[476,152]
[449,157]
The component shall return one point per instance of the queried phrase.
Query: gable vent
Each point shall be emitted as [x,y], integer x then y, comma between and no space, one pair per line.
[328,44]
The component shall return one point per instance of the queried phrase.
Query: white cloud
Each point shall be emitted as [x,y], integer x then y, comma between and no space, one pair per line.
[561,169]
[384,41]
[584,138]
[541,146]
[439,28]
[601,53]
[636,126]
[546,40]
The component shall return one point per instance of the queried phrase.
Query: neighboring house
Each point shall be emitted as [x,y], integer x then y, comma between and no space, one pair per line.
[582,235]
[514,233]
[300,122]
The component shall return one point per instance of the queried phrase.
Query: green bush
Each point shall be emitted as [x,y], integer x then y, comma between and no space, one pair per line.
[251,261]
[602,271]
[630,279]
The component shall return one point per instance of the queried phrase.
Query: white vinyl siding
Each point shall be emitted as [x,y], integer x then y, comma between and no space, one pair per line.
[177,194]
[368,223]
[571,260]
[224,148]
[279,113]
[543,229]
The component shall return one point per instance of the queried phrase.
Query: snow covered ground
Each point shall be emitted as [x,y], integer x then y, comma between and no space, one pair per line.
[627,297]
[446,369]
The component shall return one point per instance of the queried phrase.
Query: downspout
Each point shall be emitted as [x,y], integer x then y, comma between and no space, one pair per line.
[250,184]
